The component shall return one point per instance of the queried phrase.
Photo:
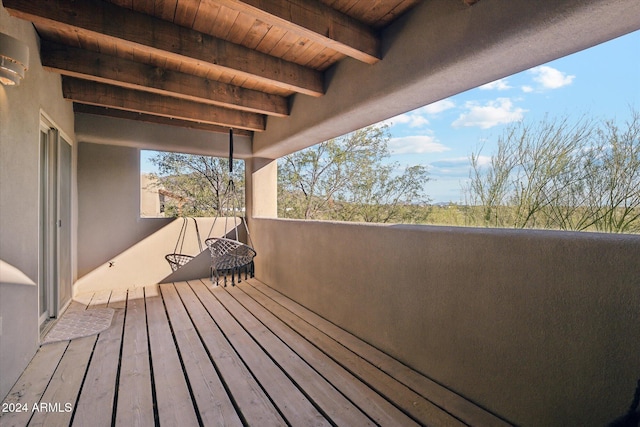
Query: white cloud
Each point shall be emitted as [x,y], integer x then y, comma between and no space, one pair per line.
[460,162]
[439,106]
[419,117]
[501,84]
[484,160]
[527,89]
[412,119]
[417,144]
[493,113]
[550,78]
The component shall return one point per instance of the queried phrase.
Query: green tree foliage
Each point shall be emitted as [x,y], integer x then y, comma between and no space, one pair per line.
[197,185]
[559,174]
[350,179]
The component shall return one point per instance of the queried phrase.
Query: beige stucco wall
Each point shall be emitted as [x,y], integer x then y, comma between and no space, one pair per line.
[539,327]
[20,109]
[109,219]
[119,249]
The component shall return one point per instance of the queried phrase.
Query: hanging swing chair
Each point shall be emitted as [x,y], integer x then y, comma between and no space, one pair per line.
[177,259]
[230,257]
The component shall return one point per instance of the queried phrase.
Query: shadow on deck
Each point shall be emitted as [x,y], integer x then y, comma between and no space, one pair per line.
[188,354]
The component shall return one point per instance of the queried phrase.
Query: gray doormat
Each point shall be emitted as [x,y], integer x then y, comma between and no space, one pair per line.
[77,324]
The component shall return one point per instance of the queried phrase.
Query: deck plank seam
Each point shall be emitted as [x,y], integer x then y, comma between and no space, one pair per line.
[403,381]
[154,397]
[224,382]
[267,394]
[182,366]
[353,378]
[356,374]
[225,385]
[284,371]
[208,385]
[86,372]
[84,378]
[113,334]
[114,406]
[44,390]
[305,361]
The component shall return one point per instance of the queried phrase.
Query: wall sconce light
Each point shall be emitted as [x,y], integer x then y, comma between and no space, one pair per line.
[14,60]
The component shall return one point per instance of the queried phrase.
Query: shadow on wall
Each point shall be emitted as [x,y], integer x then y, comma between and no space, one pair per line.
[144,263]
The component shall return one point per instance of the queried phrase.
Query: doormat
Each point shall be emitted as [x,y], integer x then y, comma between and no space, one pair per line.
[77,324]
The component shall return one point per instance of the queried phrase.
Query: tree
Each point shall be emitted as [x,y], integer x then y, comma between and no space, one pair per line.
[562,174]
[350,179]
[618,183]
[200,181]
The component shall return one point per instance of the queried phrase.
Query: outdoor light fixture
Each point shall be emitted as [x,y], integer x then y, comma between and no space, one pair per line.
[14,60]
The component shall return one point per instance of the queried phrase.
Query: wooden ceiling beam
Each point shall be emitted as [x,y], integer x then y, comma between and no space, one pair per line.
[81,63]
[103,95]
[317,22]
[141,117]
[113,24]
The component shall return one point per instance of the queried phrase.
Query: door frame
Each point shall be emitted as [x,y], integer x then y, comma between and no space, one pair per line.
[51,252]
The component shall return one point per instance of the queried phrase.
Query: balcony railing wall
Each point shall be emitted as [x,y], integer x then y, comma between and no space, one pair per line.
[540,327]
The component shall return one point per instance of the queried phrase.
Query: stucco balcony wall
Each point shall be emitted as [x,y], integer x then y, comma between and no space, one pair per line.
[540,327]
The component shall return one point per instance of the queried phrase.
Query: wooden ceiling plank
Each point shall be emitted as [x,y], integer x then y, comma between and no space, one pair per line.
[329,61]
[301,52]
[241,26]
[206,17]
[99,94]
[285,44]
[325,58]
[133,29]
[186,12]
[135,75]
[317,22]
[165,9]
[271,39]
[256,34]
[224,22]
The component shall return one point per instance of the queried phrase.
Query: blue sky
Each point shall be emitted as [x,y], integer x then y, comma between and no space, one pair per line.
[601,82]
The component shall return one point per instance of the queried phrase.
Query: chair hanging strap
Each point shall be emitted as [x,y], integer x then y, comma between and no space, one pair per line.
[229,201]
[230,192]
[230,151]
[230,185]
[195,222]
[181,236]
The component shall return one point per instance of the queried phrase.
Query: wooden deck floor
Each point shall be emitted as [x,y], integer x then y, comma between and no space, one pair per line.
[188,354]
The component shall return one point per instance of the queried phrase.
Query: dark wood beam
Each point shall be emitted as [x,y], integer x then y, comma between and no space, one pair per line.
[93,93]
[81,63]
[112,24]
[130,115]
[317,22]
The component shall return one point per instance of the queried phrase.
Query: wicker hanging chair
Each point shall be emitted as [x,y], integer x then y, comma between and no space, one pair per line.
[230,257]
[178,259]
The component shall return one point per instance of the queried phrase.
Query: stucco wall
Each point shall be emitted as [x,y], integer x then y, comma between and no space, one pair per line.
[540,327]
[20,109]
[109,204]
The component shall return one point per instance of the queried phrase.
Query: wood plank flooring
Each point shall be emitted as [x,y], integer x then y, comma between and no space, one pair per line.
[189,354]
